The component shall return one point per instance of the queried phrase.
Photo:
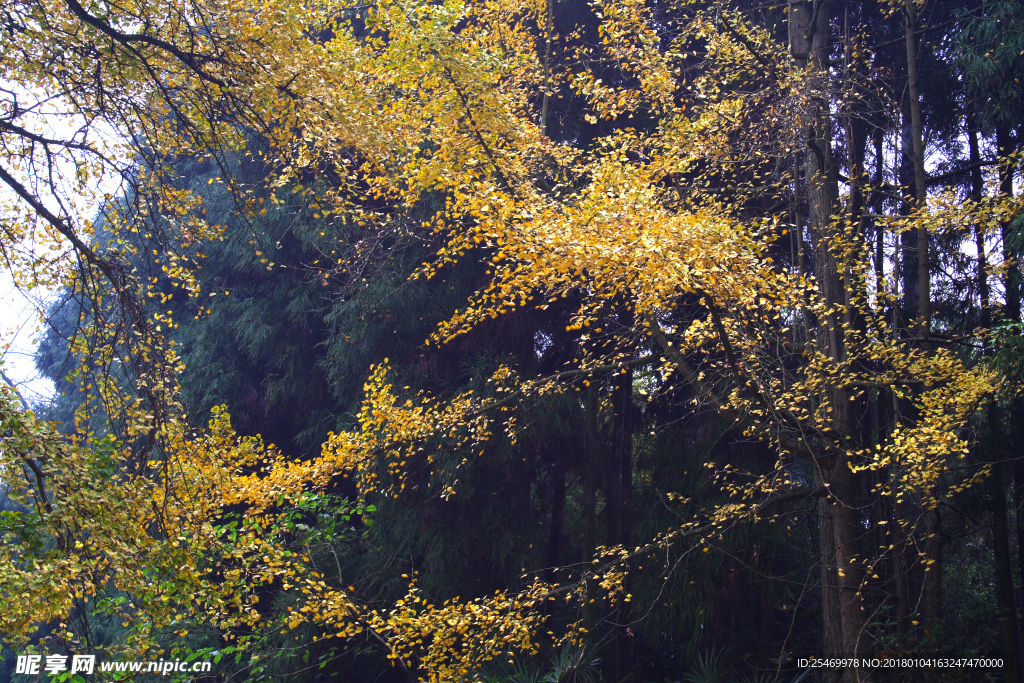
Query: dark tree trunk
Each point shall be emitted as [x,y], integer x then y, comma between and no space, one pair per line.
[841,568]
[924,308]
[977,190]
[1004,141]
[618,487]
[557,523]
[590,476]
[908,238]
[1005,598]
[878,138]
[933,569]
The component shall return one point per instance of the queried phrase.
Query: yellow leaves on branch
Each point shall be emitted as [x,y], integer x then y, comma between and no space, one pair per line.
[455,640]
[88,533]
[617,238]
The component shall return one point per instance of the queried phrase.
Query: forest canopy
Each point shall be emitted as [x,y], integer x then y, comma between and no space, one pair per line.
[516,341]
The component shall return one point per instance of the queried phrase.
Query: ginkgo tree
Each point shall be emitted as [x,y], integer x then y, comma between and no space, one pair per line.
[662,227]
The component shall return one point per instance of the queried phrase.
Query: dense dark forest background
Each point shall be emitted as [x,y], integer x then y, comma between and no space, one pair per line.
[286,336]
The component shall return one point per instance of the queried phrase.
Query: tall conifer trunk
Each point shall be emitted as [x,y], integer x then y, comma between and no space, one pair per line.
[1004,141]
[1005,598]
[977,190]
[932,521]
[618,487]
[589,476]
[924,309]
[1004,573]
[909,265]
[839,512]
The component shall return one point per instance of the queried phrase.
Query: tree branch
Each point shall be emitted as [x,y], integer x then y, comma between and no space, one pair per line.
[675,536]
[511,398]
[125,38]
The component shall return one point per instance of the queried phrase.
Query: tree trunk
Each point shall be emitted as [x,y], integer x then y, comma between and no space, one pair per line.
[1004,141]
[618,486]
[1011,255]
[845,500]
[933,567]
[977,190]
[832,626]
[798,236]
[841,569]
[588,506]
[933,538]
[1005,598]
[878,138]
[908,238]
[924,309]
[557,524]
[1018,504]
